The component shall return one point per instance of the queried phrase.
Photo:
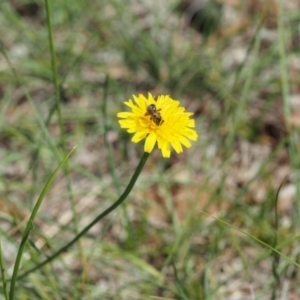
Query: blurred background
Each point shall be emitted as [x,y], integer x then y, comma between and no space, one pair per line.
[236,65]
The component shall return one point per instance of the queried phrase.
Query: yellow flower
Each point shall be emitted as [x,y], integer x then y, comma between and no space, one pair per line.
[161,120]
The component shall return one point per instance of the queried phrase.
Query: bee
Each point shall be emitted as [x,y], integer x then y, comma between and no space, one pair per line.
[154,113]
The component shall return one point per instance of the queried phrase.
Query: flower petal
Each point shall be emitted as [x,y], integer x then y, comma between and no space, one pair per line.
[138,136]
[125,124]
[166,152]
[125,115]
[150,143]
[191,134]
[184,141]
[176,145]
[129,103]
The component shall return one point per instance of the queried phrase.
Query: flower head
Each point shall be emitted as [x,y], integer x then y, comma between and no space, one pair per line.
[159,120]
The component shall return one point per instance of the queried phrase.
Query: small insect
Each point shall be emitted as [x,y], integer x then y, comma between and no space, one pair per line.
[154,113]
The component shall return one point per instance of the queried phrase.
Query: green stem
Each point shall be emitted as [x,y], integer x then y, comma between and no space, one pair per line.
[3,273]
[30,226]
[60,121]
[54,76]
[111,163]
[53,59]
[98,218]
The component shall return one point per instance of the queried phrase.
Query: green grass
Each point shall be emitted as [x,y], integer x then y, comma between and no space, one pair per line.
[212,222]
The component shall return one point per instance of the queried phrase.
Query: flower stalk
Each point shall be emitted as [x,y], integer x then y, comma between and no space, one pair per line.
[98,218]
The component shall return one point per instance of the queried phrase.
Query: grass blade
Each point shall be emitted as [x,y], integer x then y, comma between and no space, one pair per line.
[29,225]
[3,274]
